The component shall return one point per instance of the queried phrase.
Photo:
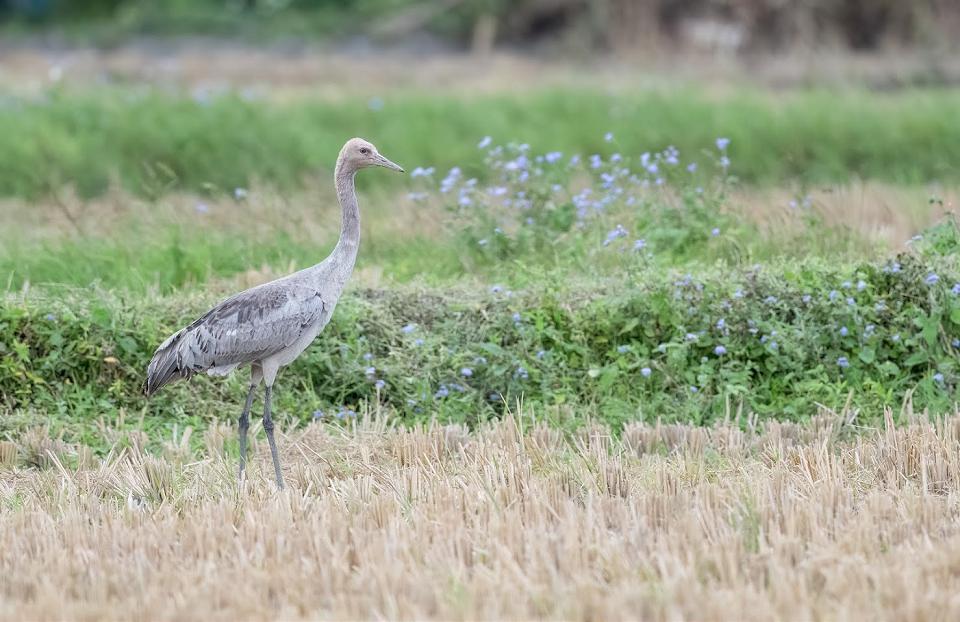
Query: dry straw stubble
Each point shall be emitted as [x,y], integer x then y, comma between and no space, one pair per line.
[662,522]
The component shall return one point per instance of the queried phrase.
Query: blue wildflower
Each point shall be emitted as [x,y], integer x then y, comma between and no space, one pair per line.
[623,349]
[367,356]
[484,142]
[418,341]
[318,414]
[645,372]
[370,371]
[723,143]
[692,167]
[409,328]
[843,331]
[380,384]
[639,245]
[938,378]
[608,137]
[843,362]
[931,279]
[720,350]
[466,372]
[715,231]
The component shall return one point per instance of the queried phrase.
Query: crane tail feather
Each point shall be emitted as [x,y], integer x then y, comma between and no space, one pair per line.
[165,366]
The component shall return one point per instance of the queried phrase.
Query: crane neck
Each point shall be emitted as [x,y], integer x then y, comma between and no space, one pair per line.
[350,211]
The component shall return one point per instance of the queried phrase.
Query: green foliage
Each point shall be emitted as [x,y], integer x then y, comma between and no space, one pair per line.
[157,142]
[777,339]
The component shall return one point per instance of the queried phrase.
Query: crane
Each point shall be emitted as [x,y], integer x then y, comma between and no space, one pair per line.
[268,326]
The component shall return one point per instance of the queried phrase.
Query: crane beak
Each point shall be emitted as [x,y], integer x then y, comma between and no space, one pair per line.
[385,163]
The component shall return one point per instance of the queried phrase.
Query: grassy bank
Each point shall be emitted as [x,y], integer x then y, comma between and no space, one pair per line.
[156,142]
[776,341]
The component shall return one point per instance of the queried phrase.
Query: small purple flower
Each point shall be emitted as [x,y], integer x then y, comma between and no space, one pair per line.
[645,372]
[608,137]
[484,142]
[955,290]
[553,157]
[694,389]
[806,298]
[596,161]
[692,167]
[725,162]
[715,231]
[516,317]
[861,285]
[691,337]
[639,245]
[239,193]
[418,341]
[851,301]
[721,324]
[51,317]
[623,349]
[367,356]
[723,143]
[496,289]
[409,328]
[380,384]
[833,295]
[938,378]
[843,331]
[422,172]
[442,392]
[955,343]
[846,285]
[720,350]
[617,232]
[370,371]
[521,373]
[843,362]
[932,279]
[770,300]
[318,414]
[540,354]
[466,372]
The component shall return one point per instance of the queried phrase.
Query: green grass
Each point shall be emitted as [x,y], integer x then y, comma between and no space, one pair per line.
[157,142]
[724,313]
[570,349]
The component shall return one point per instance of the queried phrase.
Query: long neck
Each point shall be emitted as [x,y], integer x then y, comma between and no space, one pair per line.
[350,213]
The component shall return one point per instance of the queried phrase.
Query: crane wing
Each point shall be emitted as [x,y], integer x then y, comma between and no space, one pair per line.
[244,328]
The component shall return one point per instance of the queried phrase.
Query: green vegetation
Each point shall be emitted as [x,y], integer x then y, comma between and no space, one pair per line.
[687,347]
[157,142]
[613,287]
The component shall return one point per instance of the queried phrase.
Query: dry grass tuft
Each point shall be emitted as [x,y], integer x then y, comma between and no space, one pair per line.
[511,521]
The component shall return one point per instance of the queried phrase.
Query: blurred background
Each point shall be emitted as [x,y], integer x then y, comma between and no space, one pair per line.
[573,26]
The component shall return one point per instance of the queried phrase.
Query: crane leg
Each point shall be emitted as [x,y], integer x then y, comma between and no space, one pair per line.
[242,426]
[268,428]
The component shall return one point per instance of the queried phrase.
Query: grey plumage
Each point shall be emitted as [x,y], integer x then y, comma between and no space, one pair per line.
[268,326]
[245,328]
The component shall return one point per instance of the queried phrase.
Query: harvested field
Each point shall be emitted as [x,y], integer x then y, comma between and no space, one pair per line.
[515,520]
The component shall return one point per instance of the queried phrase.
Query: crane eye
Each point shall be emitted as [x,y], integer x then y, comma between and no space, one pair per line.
[364,150]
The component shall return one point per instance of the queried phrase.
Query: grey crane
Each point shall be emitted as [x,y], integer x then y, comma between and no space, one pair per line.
[268,326]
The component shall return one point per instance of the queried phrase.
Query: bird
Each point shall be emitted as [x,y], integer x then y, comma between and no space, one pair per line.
[270,325]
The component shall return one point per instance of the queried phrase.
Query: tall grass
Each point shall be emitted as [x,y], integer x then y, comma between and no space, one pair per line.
[157,141]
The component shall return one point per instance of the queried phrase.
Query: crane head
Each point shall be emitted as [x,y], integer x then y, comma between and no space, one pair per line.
[358,153]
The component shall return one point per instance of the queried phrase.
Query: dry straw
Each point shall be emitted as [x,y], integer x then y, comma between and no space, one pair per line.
[661,522]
